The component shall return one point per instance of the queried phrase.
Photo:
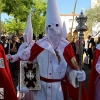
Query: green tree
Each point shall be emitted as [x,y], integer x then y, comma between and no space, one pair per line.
[20,9]
[38,16]
[3,29]
[93,15]
[17,8]
[12,27]
[1,6]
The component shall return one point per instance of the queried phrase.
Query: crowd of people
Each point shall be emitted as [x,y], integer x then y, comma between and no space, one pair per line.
[11,45]
[89,46]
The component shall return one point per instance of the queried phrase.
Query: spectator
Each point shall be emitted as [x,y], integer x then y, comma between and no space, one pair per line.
[4,44]
[87,44]
[91,49]
[21,40]
[77,49]
[13,50]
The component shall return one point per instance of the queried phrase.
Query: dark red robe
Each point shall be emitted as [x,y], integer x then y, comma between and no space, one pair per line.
[5,78]
[93,75]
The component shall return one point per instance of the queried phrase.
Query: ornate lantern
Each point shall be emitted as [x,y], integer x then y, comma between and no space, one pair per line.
[81,20]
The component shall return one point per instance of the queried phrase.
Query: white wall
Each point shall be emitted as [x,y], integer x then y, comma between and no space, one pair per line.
[68,20]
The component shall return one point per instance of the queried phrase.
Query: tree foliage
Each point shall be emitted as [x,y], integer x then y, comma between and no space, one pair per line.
[17,8]
[38,16]
[20,9]
[1,6]
[10,26]
[93,15]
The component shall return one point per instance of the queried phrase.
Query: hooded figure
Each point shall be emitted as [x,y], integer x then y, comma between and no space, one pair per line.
[28,33]
[53,24]
[94,81]
[23,54]
[7,91]
[57,63]
[64,30]
[24,50]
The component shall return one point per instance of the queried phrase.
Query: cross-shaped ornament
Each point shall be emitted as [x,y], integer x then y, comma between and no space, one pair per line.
[30,75]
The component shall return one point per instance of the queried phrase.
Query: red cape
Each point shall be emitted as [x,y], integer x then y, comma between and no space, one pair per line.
[5,79]
[93,75]
[73,92]
[68,54]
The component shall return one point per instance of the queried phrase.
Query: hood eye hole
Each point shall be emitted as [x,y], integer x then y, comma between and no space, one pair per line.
[57,25]
[49,25]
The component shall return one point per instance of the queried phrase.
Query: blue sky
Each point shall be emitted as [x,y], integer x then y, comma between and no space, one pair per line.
[65,7]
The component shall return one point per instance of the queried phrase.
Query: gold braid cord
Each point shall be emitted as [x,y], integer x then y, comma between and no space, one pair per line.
[58,56]
[74,62]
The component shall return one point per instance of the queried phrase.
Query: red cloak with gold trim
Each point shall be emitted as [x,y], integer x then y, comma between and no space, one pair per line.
[68,55]
[5,78]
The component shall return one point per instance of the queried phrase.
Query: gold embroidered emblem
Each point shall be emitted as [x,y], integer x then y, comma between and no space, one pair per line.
[1,63]
[74,62]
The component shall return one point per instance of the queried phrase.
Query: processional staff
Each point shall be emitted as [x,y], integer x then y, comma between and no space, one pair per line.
[81,20]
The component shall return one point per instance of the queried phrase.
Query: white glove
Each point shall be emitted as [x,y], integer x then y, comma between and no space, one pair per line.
[8,56]
[25,54]
[23,90]
[14,58]
[81,76]
[25,50]
[28,49]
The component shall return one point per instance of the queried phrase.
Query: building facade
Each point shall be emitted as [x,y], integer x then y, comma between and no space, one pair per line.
[68,19]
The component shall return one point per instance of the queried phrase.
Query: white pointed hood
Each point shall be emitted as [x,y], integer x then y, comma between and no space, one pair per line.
[52,14]
[53,25]
[64,30]
[28,33]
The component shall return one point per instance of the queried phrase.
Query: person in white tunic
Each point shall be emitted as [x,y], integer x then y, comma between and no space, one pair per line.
[23,54]
[59,71]
[57,63]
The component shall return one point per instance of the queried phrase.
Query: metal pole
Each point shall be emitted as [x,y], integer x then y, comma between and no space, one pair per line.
[73,16]
[81,28]
[80,60]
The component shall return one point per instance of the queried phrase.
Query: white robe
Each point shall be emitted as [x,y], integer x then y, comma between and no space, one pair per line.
[48,63]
